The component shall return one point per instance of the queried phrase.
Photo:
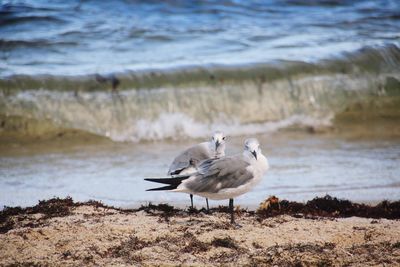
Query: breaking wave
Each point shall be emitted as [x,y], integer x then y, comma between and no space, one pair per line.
[191,103]
[177,125]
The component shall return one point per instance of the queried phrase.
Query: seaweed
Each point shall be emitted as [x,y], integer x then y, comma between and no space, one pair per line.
[326,254]
[396,245]
[186,243]
[164,210]
[27,264]
[226,242]
[132,244]
[193,244]
[328,207]
[54,207]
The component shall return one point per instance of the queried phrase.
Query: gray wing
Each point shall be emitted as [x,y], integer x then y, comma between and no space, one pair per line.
[217,174]
[191,157]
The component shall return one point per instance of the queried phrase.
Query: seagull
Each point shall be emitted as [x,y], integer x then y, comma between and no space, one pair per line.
[188,161]
[223,178]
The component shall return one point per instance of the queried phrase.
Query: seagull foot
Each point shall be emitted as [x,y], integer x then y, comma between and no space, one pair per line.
[192,210]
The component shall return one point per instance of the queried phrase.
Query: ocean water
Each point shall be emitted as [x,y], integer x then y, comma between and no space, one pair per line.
[317,81]
[84,37]
[302,167]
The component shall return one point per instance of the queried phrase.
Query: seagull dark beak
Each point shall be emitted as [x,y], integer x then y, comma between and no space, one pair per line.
[254,154]
[217,144]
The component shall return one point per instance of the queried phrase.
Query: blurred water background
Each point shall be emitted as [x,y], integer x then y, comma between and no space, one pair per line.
[96,95]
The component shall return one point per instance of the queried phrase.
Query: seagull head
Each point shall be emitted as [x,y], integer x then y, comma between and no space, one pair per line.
[252,147]
[218,143]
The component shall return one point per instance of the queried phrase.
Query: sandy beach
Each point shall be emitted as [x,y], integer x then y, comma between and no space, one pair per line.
[60,232]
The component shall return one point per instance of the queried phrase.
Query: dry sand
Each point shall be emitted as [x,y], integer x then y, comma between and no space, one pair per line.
[94,235]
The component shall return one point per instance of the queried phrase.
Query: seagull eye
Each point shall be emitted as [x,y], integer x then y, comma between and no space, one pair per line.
[223,138]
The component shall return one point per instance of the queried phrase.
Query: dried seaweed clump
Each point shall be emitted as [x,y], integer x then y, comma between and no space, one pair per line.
[226,242]
[328,207]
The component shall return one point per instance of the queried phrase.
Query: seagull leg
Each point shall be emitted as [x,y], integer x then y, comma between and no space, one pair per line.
[208,207]
[191,200]
[231,209]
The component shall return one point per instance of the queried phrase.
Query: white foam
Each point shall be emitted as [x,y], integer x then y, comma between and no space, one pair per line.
[177,125]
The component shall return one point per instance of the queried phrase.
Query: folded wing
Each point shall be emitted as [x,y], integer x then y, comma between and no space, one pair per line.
[216,174]
[189,158]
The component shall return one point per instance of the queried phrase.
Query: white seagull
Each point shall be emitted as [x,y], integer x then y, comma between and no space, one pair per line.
[224,178]
[188,161]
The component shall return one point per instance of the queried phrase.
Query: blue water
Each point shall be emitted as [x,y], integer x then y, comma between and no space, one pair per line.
[80,37]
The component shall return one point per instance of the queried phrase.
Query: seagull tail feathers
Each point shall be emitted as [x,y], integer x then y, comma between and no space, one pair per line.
[172,183]
[162,188]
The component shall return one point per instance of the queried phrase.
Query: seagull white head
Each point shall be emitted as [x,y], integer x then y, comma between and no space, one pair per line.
[217,143]
[252,148]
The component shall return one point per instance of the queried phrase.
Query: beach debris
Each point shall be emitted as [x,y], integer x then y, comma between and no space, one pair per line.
[133,243]
[165,211]
[329,207]
[226,242]
[192,244]
[332,207]
[267,203]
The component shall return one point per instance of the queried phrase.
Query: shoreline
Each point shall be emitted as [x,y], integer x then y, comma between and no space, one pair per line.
[323,232]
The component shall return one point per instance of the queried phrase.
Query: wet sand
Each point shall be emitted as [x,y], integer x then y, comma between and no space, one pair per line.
[64,233]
